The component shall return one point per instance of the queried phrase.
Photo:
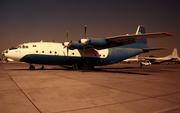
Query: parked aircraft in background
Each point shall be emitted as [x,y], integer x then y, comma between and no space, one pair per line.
[132,59]
[85,53]
[170,58]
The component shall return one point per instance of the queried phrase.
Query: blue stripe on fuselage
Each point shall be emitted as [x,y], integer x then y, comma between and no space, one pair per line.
[58,60]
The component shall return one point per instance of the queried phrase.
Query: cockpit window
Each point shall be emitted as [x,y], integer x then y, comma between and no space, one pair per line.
[22,46]
[18,46]
[12,48]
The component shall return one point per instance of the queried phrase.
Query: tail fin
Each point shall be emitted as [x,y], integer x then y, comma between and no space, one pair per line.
[136,56]
[174,53]
[141,30]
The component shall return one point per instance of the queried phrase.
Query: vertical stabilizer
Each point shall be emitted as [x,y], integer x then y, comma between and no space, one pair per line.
[174,53]
[136,56]
[141,30]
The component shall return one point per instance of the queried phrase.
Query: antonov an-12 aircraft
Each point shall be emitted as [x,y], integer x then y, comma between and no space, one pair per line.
[85,53]
[170,58]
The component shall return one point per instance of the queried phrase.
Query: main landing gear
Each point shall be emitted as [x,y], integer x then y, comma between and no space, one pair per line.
[75,66]
[82,66]
[31,67]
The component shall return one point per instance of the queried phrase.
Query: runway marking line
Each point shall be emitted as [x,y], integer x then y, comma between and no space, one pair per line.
[167,109]
[21,89]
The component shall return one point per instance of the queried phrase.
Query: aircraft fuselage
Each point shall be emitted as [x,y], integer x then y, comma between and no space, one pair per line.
[55,54]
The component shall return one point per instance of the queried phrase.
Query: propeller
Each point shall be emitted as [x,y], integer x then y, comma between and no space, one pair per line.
[85,31]
[67,44]
[67,35]
[85,41]
[84,45]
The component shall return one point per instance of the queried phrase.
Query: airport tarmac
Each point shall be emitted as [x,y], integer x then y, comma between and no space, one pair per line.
[118,88]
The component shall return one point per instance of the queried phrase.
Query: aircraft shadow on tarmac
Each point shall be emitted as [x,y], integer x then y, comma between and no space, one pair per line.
[118,70]
[109,70]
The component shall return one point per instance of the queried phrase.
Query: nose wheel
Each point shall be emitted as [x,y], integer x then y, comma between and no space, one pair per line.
[31,67]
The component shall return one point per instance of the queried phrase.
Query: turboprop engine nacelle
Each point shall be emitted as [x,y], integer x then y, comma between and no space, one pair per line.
[73,45]
[95,42]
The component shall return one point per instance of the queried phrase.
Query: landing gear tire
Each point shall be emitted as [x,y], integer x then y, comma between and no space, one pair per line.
[85,67]
[91,67]
[31,67]
[75,66]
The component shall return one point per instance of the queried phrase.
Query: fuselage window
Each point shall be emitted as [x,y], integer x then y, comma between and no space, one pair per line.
[72,53]
[36,51]
[34,45]
[55,52]
[50,52]
[26,46]
[42,51]
[103,55]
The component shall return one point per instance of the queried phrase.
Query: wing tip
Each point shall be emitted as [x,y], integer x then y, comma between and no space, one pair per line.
[168,34]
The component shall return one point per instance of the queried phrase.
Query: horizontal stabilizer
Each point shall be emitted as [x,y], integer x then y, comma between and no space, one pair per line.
[152,49]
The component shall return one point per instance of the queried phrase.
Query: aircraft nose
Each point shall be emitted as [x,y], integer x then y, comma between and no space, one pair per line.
[5,52]
[9,55]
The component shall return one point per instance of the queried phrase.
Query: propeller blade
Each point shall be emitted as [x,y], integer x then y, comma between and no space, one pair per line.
[67,51]
[85,32]
[84,48]
[67,35]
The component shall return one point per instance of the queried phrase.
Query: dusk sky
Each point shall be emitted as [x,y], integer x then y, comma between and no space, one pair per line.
[24,21]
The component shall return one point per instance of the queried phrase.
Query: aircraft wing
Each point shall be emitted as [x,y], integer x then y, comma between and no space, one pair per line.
[130,37]
[120,40]
[113,41]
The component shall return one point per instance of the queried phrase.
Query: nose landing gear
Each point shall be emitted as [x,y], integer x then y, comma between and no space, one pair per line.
[31,67]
